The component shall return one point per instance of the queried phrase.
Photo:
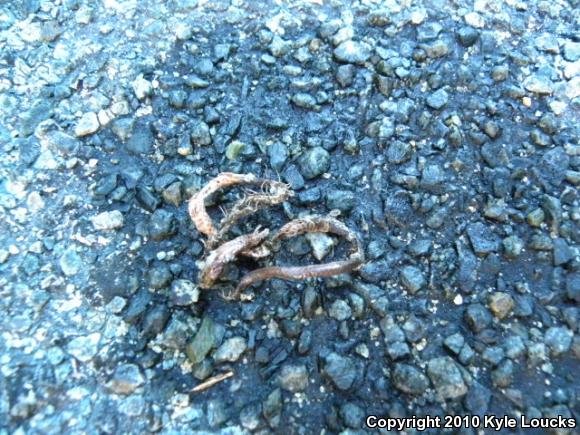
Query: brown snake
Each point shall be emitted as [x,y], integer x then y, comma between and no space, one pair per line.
[312,224]
[258,244]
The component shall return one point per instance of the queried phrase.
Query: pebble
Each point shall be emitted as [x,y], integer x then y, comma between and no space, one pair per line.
[558,339]
[376,271]
[412,278]
[482,238]
[343,200]
[454,343]
[352,52]
[294,378]
[535,217]
[399,152]
[514,347]
[70,262]
[341,370]
[478,317]
[230,350]
[437,49]
[108,220]
[539,84]
[126,379]
[562,252]
[446,378]
[162,224]
[88,124]
[477,399]
[500,73]
[474,19]
[200,134]
[351,415]
[409,379]
[306,101]
[184,292]
[573,286]
[172,194]
[502,376]
[159,276]
[154,321]
[63,143]
[321,244]
[345,75]
[398,350]
[493,355]
[84,348]
[141,140]
[379,17]
[572,51]
[314,162]
[279,47]
[278,153]
[513,246]
[340,310]
[438,99]
[142,88]
[203,342]
[501,304]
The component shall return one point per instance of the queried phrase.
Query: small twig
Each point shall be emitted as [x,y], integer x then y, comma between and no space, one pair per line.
[211,382]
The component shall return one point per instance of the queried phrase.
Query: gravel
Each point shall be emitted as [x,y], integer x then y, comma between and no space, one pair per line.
[445,137]
[108,220]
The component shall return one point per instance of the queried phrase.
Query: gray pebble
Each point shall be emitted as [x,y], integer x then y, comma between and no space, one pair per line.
[454,343]
[467,36]
[558,339]
[278,153]
[108,220]
[184,292]
[482,239]
[84,348]
[502,376]
[161,224]
[446,378]
[478,317]
[438,99]
[341,370]
[126,379]
[159,276]
[87,124]
[352,52]
[321,244]
[409,379]
[340,310]
[199,133]
[343,200]
[203,342]
[141,140]
[345,75]
[314,162]
[306,101]
[70,262]
[539,84]
[412,278]
[230,350]
[573,286]
[294,377]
